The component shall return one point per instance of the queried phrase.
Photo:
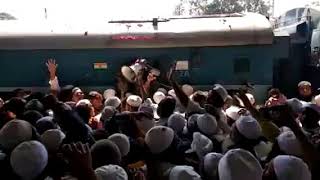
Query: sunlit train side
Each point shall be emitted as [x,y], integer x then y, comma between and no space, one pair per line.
[302,24]
[227,49]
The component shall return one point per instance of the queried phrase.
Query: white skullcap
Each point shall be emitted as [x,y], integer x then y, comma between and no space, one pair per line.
[84,102]
[163,90]
[239,164]
[183,173]
[221,91]
[304,83]
[176,122]
[317,100]
[111,172]
[172,93]
[122,141]
[128,73]
[207,124]
[263,149]
[159,138]
[158,97]
[295,104]
[134,100]
[15,132]
[187,89]
[109,93]
[290,168]
[52,139]
[233,112]
[210,164]
[289,144]
[249,127]
[284,129]
[107,113]
[251,98]
[201,145]
[29,159]
[113,101]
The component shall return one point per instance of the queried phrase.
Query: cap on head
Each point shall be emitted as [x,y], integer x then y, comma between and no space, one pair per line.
[221,91]
[177,122]
[290,168]
[207,124]
[159,138]
[233,112]
[158,97]
[113,101]
[183,172]
[105,152]
[109,93]
[210,164]
[239,164]
[289,144]
[134,101]
[122,141]
[200,145]
[52,139]
[109,172]
[128,74]
[304,83]
[29,159]
[15,132]
[249,127]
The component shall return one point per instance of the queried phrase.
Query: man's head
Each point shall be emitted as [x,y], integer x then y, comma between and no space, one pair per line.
[77,94]
[166,107]
[96,100]
[305,88]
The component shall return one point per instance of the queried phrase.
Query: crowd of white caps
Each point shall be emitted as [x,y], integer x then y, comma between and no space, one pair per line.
[190,143]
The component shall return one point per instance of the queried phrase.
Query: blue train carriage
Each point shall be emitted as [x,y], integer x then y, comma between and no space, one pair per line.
[227,49]
[302,24]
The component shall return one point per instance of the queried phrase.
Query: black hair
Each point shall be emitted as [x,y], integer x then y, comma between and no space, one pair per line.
[215,99]
[32,116]
[166,107]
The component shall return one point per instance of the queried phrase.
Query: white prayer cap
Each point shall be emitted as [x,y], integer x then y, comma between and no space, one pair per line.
[159,138]
[317,100]
[183,173]
[84,102]
[187,89]
[221,91]
[233,112]
[295,104]
[263,149]
[107,113]
[134,101]
[210,164]
[128,74]
[15,132]
[201,145]
[251,98]
[29,159]
[239,164]
[122,141]
[163,90]
[304,83]
[112,101]
[289,144]
[111,172]
[52,139]
[284,129]
[172,93]
[109,93]
[158,97]
[207,124]
[176,122]
[290,168]
[249,127]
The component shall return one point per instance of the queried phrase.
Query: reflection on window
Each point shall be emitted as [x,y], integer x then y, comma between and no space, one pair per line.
[290,17]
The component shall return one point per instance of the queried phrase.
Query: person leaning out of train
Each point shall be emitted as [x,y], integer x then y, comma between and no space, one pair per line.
[76,93]
[305,91]
[96,100]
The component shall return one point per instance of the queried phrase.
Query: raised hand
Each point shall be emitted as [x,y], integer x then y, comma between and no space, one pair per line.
[170,73]
[52,68]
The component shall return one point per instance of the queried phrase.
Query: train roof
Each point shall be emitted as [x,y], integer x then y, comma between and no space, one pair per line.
[215,30]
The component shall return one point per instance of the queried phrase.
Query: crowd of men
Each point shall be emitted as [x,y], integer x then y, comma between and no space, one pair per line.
[170,134]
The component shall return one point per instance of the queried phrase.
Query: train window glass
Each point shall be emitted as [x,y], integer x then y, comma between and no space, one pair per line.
[241,65]
[290,17]
[300,13]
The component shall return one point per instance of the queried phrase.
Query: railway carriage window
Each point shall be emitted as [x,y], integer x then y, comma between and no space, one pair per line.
[291,17]
[300,13]
[241,65]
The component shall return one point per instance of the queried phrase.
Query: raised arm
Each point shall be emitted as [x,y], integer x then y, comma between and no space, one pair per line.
[183,98]
[52,68]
